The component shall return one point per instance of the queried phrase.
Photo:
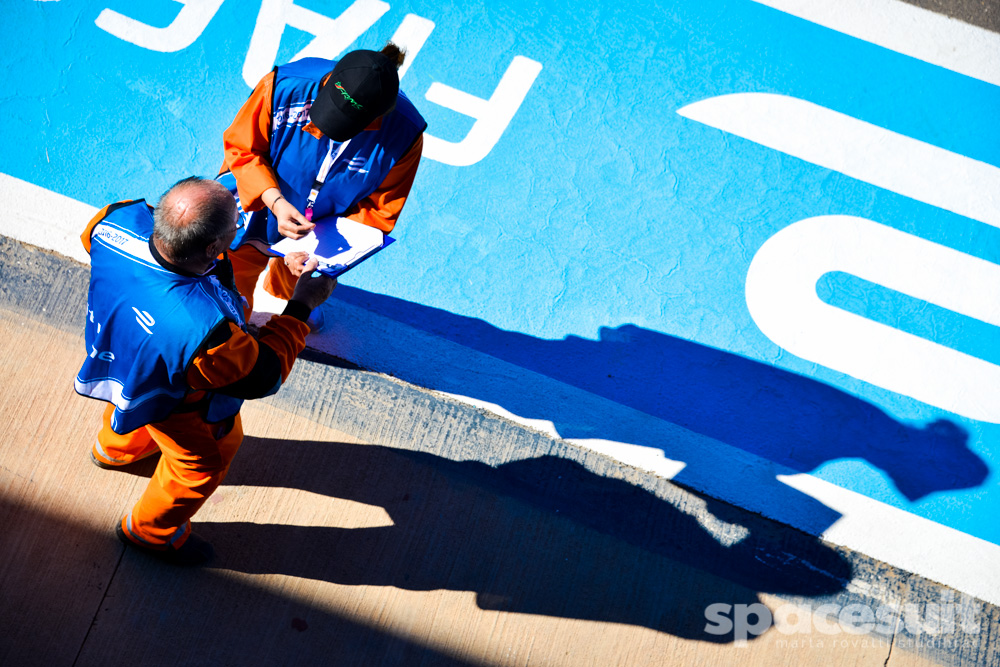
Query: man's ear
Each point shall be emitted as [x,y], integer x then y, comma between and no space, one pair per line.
[214,249]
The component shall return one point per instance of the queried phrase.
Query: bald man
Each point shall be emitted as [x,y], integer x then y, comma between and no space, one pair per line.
[168,351]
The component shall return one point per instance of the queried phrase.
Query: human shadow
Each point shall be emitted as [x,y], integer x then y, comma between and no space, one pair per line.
[794,421]
[537,536]
[82,604]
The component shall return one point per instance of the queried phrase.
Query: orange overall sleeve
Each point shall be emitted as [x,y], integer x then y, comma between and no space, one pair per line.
[381,208]
[240,356]
[247,143]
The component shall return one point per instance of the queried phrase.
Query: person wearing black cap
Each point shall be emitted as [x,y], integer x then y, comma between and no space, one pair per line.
[316,140]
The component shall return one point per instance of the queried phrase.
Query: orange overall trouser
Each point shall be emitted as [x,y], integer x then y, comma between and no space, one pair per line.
[194,459]
[249,263]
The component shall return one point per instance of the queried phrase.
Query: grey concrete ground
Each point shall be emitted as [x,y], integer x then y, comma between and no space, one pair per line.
[981,13]
[370,522]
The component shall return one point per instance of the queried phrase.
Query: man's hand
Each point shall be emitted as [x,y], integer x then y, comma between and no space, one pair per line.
[291,223]
[297,262]
[313,291]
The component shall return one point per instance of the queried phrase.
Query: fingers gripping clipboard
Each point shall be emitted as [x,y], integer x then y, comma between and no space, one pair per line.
[339,245]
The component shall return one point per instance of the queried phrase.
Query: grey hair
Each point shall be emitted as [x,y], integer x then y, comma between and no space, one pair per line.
[208,216]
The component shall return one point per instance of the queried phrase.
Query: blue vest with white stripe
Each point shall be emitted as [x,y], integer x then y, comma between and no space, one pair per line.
[145,324]
[296,155]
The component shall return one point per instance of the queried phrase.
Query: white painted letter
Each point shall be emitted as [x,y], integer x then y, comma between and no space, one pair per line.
[492,116]
[332,35]
[781,296]
[410,36]
[869,153]
[190,22]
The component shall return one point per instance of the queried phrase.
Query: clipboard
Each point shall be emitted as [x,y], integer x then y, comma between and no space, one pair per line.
[339,247]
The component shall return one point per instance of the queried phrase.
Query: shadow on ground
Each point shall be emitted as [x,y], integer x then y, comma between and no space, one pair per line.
[538,536]
[154,614]
[794,421]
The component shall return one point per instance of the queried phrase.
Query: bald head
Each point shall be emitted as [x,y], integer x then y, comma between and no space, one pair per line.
[191,216]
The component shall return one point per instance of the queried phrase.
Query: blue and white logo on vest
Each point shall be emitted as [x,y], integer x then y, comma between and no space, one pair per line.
[296,114]
[144,319]
[357,164]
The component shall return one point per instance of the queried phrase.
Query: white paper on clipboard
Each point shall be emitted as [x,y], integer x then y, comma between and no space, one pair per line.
[338,246]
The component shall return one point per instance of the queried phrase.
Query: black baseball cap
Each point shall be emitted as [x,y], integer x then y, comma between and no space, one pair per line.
[362,87]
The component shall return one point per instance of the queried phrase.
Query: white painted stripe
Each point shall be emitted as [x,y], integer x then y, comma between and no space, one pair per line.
[892,535]
[43,218]
[912,31]
[781,297]
[857,149]
[410,36]
[186,27]
[651,459]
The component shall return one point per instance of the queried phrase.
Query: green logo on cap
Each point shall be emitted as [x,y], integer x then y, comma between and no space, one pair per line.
[347,96]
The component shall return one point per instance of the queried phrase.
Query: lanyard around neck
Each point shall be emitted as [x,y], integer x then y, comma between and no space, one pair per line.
[333,152]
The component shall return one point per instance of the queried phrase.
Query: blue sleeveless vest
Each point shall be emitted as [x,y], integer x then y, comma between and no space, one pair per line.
[296,155]
[145,324]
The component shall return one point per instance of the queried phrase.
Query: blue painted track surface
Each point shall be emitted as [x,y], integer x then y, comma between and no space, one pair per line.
[605,240]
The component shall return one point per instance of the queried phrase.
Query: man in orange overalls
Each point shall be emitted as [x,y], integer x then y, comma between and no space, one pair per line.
[167,348]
